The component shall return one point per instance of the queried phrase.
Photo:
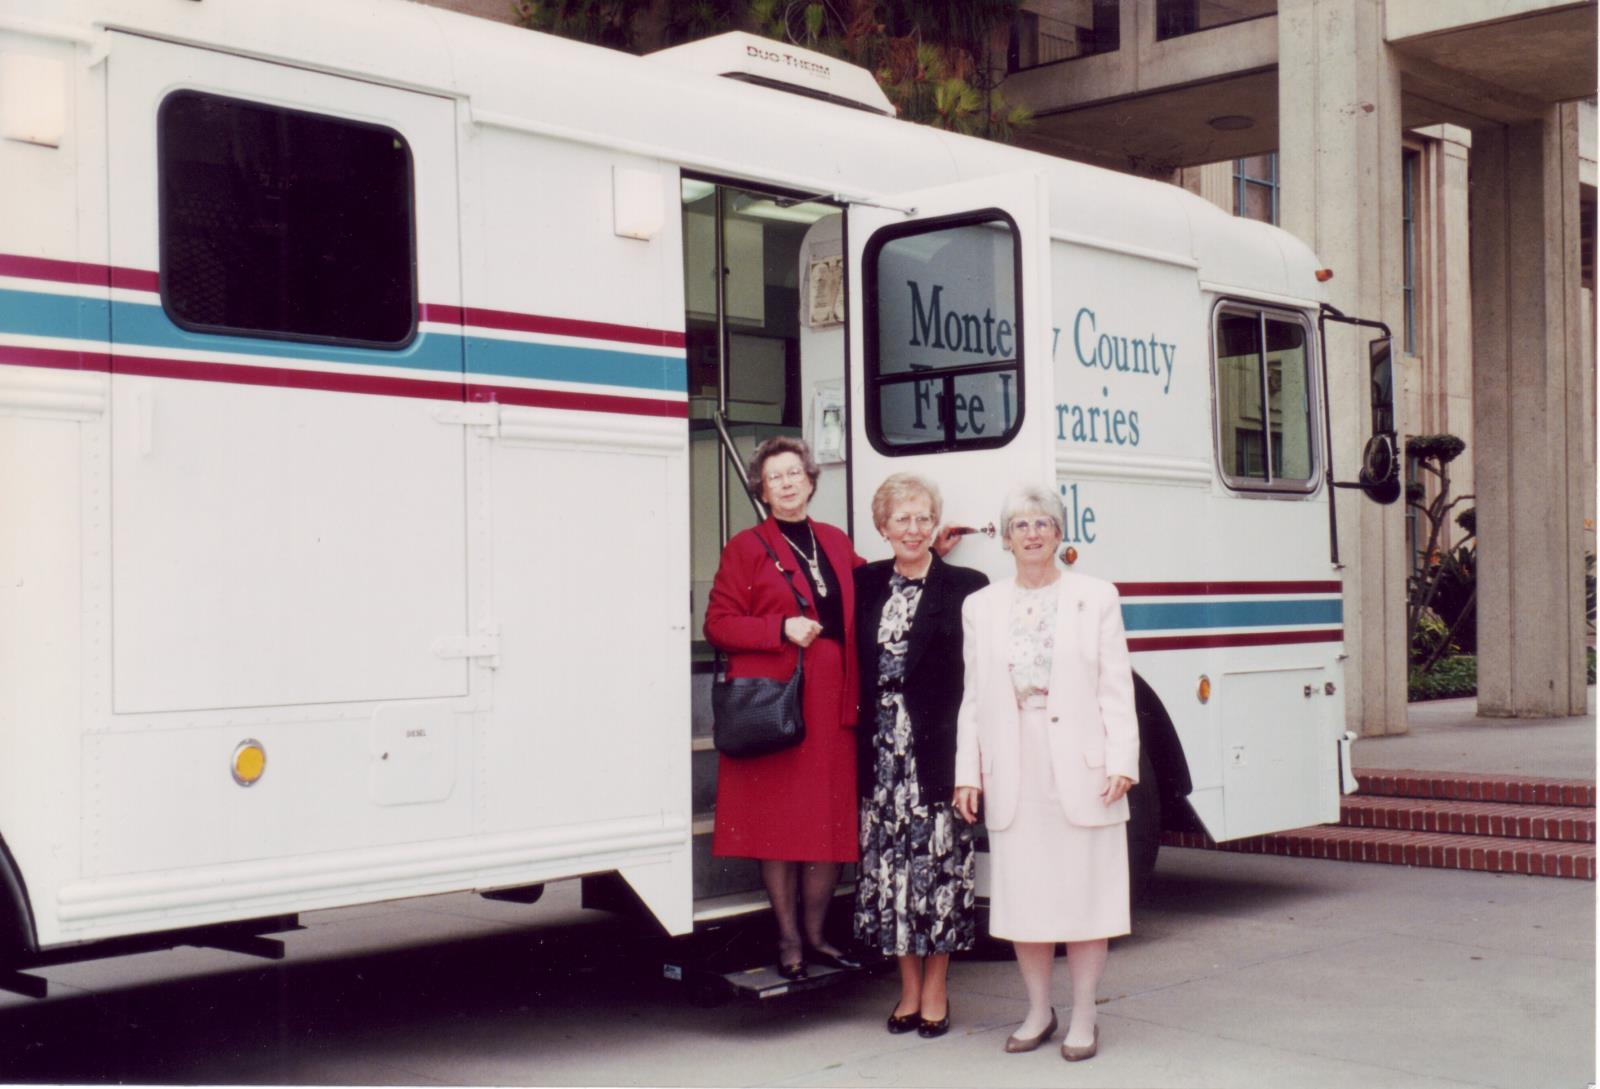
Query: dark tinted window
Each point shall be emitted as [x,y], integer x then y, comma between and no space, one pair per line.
[282,223]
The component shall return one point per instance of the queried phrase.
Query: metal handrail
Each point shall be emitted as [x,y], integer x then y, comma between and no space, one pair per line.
[732,453]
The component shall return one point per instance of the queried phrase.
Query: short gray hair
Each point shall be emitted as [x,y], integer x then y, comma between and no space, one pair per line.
[1026,497]
[897,489]
[779,444]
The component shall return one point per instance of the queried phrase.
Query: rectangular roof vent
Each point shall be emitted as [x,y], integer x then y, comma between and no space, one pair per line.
[753,59]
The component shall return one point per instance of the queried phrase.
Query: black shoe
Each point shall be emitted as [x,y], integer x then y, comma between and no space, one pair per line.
[841,961]
[797,970]
[928,1030]
[898,1024]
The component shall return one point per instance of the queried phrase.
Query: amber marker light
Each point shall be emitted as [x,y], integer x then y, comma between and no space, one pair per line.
[1324,275]
[1204,689]
[249,761]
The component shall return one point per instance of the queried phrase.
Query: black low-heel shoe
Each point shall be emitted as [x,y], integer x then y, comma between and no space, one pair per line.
[835,960]
[898,1024]
[797,970]
[929,1030]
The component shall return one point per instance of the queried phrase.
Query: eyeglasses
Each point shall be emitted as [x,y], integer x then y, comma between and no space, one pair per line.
[1041,526]
[788,474]
[904,522]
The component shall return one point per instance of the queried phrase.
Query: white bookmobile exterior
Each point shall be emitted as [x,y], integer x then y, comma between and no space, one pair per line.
[361,373]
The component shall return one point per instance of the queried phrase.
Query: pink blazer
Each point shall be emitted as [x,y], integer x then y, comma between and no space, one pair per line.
[1094,729]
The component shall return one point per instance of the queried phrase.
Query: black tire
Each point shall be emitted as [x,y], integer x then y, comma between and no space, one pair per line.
[1144,828]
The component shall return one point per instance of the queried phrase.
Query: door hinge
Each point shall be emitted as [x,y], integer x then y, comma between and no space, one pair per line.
[484,414]
[483,648]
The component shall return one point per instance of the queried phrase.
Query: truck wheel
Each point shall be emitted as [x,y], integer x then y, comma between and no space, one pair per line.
[1144,828]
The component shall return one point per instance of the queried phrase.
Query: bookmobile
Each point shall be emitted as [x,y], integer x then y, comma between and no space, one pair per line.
[370,412]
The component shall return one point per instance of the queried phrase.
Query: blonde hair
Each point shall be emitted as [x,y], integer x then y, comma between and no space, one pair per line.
[897,489]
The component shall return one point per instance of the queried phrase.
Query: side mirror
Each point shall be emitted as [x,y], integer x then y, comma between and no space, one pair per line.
[1380,461]
[1380,470]
[1382,373]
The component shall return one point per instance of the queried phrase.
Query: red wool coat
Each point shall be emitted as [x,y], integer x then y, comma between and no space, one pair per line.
[798,804]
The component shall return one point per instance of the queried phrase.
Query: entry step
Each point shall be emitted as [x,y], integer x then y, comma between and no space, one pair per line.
[1474,786]
[1489,854]
[1565,823]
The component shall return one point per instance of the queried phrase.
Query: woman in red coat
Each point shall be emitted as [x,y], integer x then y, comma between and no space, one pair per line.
[794,810]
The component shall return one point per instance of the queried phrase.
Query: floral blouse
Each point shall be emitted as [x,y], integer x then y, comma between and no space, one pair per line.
[1032,642]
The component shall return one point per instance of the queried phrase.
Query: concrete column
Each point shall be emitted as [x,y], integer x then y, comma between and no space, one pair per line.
[1339,166]
[1528,410]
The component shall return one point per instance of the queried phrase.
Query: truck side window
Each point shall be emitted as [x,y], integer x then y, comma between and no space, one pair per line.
[943,335]
[280,223]
[1265,418]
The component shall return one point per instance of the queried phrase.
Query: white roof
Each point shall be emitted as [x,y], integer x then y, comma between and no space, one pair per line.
[677,111]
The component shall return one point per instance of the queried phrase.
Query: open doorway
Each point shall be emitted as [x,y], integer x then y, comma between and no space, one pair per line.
[766,347]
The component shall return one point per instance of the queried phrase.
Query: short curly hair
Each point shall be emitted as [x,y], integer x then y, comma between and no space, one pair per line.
[897,489]
[755,476]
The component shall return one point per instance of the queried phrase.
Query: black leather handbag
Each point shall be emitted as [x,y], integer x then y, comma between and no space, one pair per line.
[754,716]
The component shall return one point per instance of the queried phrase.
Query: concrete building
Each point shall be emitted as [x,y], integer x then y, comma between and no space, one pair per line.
[1440,159]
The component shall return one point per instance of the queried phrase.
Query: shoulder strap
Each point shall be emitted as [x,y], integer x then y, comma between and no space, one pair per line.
[787,576]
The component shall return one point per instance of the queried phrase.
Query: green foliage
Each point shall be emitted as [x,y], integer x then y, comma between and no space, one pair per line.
[1588,603]
[1455,594]
[691,20]
[611,23]
[1442,591]
[1589,653]
[1450,678]
[1431,639]
[932,60]
[1441,449]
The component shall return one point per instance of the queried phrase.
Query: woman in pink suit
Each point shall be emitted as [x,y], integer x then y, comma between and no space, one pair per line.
[794,810]
[1048,737]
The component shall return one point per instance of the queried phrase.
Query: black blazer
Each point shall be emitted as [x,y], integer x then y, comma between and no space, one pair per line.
[934,672]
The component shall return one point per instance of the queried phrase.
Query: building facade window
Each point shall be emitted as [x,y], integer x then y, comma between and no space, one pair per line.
[1047,31]
[1255,187]
[1409,163]
[1175,18]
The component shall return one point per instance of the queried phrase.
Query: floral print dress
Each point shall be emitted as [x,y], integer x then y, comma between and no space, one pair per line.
[915,891]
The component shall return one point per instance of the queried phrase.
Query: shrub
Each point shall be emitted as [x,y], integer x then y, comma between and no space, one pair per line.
[1450,678]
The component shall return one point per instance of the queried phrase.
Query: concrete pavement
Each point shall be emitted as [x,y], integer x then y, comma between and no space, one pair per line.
[1447,735]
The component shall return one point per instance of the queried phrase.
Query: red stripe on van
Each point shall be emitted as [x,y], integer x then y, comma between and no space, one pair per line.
[1242,639]
[565,327]
[77,272]
[283,377]
[1219,589]
[56,359]
[336,382]
[578,402]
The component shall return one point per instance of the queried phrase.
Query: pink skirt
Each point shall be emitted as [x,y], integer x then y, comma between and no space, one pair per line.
[1051,881]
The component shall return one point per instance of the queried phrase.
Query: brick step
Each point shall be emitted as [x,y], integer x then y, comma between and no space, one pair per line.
[1491,854]
[1566,823]
[1471,786]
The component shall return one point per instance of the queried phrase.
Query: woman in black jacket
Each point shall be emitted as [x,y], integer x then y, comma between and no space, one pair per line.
[914,896]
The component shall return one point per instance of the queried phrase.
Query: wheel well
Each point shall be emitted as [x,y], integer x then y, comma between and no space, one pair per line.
[1159,740]
[17,935]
